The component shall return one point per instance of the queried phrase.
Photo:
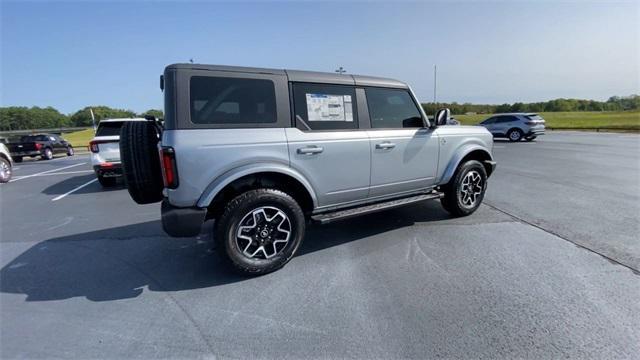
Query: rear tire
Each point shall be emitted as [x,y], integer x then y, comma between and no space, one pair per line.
[141,161]
[251,231]
[17,159]
[465,192]
[107,182]
[530,138]
[514,135]
[47,154]
[70,151]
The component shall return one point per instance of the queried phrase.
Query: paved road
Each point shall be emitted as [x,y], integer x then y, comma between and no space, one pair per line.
[92,275]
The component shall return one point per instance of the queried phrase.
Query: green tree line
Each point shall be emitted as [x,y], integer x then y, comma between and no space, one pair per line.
[614,103]
[26,118]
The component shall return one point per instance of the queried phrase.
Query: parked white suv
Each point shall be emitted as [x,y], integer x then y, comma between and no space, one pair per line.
[105,150]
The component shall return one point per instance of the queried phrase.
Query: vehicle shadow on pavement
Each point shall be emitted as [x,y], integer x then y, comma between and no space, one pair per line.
[66,185]
[118,263]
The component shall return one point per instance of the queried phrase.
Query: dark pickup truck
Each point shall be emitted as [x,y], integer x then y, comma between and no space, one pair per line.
[43,145]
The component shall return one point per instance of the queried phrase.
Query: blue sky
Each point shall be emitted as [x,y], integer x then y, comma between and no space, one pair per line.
[72,54]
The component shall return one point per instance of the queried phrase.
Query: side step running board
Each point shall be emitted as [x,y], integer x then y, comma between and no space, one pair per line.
[344,214]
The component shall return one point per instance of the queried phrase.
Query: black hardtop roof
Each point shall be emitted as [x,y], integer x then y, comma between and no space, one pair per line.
[300,76]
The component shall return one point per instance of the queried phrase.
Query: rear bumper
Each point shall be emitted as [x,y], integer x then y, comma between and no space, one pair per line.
[111,170]
[181,222]
[535,132]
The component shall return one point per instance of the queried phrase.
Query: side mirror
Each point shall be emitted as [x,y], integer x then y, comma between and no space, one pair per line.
[442,117]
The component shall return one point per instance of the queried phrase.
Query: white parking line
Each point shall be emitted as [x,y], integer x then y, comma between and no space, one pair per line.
[66,173]
[74,190]
[46,172]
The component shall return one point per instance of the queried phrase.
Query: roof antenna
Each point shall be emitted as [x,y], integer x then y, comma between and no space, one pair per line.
[341,70]
[191,60]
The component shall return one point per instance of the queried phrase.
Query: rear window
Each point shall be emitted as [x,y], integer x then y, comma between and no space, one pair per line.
[110,128]
[534,117]
[232,101]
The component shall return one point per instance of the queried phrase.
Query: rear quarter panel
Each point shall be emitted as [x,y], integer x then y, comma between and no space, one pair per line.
[204,155]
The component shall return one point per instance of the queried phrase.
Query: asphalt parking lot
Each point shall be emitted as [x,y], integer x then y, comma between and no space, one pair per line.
[548,267]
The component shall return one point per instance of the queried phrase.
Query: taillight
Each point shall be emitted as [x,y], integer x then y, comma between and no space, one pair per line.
[93,147]
[169,168]
[38,146]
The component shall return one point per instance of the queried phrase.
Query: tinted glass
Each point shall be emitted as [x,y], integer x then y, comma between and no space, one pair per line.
[392,109]
[489,121]
[535,117]
[111,128]
[32,138]
[218,100]
[325,107]
[506,119]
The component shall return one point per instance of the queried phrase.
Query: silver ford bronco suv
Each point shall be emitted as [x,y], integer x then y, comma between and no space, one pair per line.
[265,152]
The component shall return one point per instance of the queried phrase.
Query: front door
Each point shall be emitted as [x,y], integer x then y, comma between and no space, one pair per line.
[58,147]
[404,154]
[326,145]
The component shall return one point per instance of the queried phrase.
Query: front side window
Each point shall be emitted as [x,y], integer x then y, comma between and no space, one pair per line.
[232,101]
[325,107]
[392,109]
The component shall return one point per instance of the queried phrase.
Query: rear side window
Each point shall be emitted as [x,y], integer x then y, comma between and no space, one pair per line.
[325,107]
[506,119]
[229,101]
[32,138]
[392,109]
[110,128]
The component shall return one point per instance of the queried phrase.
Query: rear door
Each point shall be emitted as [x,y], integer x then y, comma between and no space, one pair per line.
[404,153]
[326,145]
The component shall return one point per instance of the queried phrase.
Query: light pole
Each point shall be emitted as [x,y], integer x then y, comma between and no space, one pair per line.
[435,84]
[341,70]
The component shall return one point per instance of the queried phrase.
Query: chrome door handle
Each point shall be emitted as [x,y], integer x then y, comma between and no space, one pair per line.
[310,150]
[385,145]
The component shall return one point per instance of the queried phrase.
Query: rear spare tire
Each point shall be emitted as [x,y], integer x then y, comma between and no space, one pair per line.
[141,161]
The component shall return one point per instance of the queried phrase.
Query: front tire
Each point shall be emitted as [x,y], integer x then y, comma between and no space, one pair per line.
[514,135]
[465,192]
[70,151]
[260,231]
[17,159]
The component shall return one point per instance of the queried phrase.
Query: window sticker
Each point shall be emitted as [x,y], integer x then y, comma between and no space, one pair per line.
[324,107]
